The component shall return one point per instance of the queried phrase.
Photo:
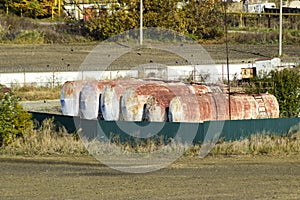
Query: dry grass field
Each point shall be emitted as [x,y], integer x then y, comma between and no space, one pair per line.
[49,165]
[82,177]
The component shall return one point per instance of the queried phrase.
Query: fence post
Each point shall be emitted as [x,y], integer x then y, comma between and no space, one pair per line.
[241,19]
[24,82]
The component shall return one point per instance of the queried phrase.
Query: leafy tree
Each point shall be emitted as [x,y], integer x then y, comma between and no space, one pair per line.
[287,91]
[202,20]
[34,8]
[14,120]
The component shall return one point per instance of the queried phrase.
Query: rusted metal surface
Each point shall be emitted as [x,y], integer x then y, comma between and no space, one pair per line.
[243,106]
[203,89]
[112,93]
[151,100]
[215,106]
[69,97]
[268,106]
[210,106]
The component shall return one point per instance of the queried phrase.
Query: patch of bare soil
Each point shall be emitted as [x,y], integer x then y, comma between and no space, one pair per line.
[69,57]
[188,178]
[47,106]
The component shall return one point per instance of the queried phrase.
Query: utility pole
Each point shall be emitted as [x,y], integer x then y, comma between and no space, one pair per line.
[280,30]
[227,58]
[141,22]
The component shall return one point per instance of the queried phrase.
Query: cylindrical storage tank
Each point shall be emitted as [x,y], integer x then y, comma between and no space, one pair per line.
[69,97]
[132,105]
[136,106]
[90,96]
[243,106]
[272,105]
[110,98]
[184,109]
[215,106]
[206,107]
[156,108]
[268,106]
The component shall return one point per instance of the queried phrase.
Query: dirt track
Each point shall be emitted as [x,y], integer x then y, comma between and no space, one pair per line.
[189,178]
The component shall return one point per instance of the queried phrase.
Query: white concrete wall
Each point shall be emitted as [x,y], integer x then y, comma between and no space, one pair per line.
[217,73]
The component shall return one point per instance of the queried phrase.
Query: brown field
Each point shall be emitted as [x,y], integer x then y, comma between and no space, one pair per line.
[69,57]
[188,178]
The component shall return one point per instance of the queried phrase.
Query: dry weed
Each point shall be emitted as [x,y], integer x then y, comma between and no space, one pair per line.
[46,140]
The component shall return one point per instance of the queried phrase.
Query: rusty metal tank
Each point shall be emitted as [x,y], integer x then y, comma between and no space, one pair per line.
[203,89]
[268,106]
[110,98]
[69,97]
[210,106]
[243,106]
[150,101]
[215,106]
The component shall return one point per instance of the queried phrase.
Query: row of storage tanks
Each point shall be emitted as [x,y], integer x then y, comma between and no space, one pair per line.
[153,100]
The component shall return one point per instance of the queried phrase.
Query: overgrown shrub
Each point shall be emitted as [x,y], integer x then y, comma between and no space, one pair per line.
[284,85]
[14,120]
[21,30]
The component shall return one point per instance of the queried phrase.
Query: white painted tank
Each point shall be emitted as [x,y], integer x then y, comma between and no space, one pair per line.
[69,97]
[90,97]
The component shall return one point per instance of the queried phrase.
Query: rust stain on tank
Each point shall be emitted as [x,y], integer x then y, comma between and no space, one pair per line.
[131,100]
[153,99]
[215,106]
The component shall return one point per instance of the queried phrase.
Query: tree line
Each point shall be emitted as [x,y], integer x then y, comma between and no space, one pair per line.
[198,19]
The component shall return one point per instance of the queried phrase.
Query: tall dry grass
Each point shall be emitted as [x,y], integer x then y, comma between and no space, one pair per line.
[49,139]
[34,93]
[260,144]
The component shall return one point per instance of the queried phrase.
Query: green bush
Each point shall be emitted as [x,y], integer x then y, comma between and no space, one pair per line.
[284,85]
[14,120]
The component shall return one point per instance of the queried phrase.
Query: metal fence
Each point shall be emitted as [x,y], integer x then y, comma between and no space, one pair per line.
[232,129]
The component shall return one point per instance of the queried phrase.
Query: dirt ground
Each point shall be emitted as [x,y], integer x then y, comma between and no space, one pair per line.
[69,57]
[84,177]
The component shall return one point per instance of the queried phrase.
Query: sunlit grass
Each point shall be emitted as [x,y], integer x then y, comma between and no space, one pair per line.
[49,139]
[34,93]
